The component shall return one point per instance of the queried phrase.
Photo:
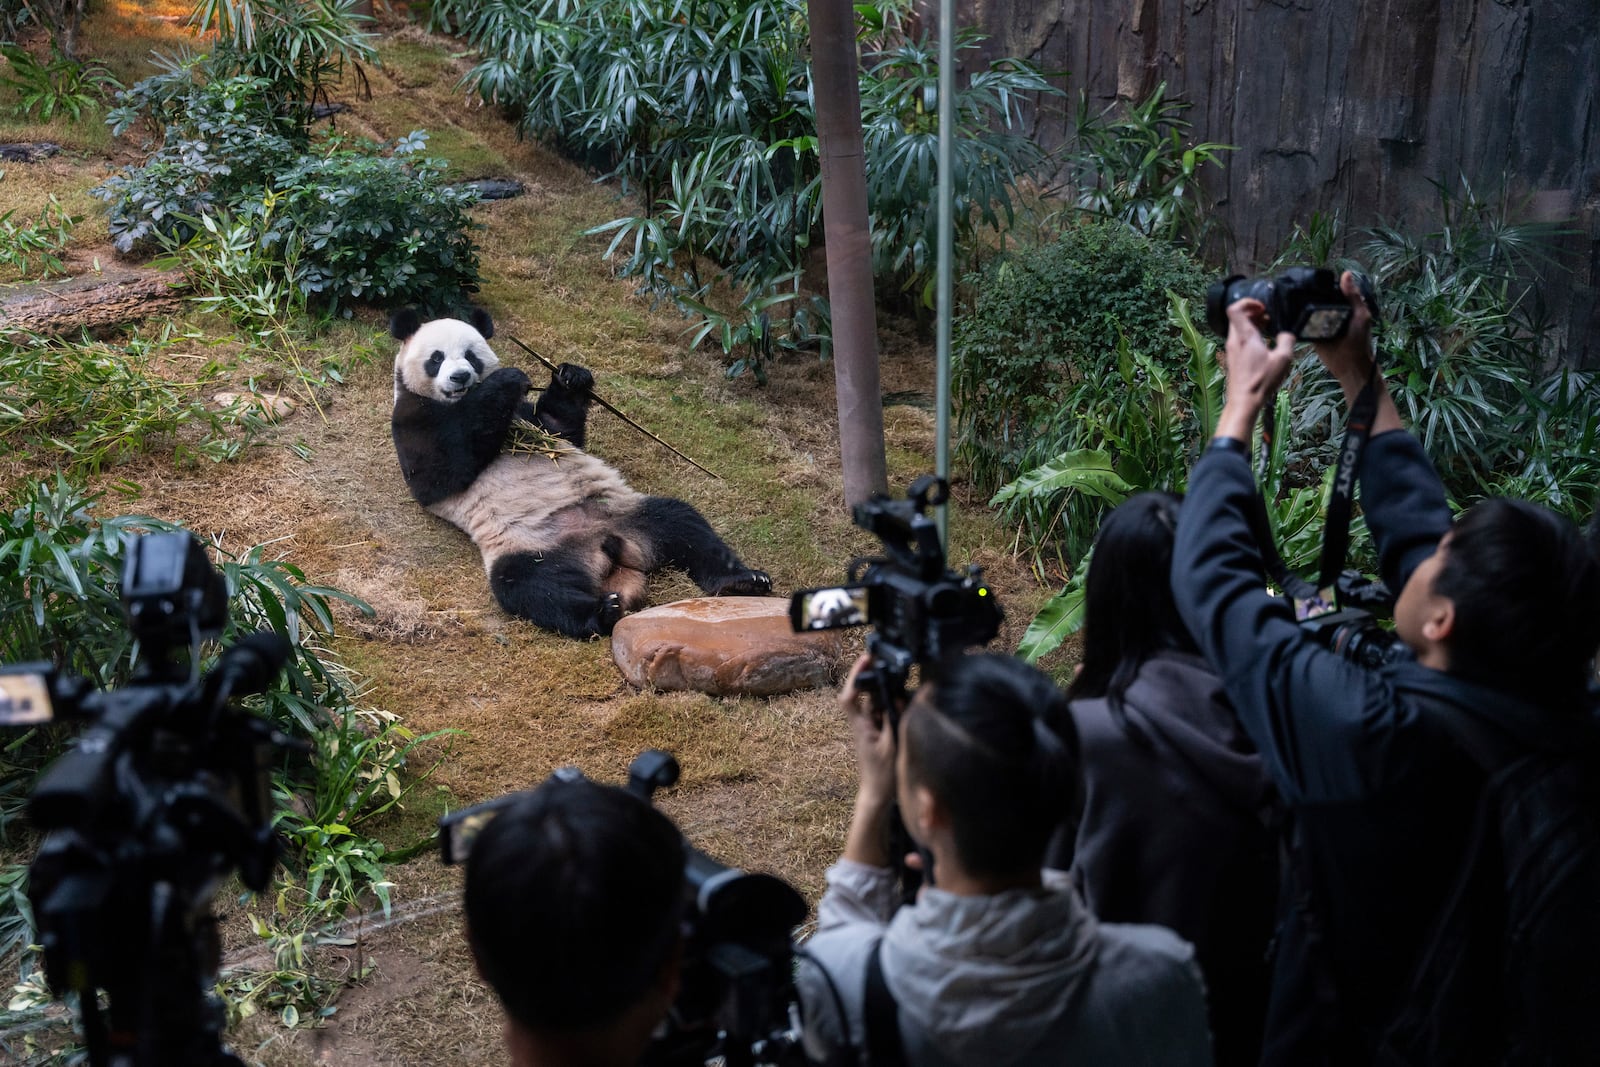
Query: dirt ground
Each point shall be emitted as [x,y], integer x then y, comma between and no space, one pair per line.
[767,783]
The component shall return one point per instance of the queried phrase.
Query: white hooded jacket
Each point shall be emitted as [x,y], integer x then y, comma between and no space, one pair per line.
[1025,977]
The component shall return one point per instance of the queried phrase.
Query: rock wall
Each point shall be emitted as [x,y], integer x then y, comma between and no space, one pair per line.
[1351,106]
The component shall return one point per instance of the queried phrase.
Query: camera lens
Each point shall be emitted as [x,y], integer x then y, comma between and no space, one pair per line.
[1217,300]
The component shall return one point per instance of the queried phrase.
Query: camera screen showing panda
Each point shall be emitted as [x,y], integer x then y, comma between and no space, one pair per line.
[24,699]
[832,608]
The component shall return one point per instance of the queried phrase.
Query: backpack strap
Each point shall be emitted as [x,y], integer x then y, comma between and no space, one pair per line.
[881,1016]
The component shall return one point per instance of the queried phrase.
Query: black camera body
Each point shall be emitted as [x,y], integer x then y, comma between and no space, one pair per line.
[736,999]
[1352,630]
[165,792]
[1356,635]
[922,613]
[1306,301]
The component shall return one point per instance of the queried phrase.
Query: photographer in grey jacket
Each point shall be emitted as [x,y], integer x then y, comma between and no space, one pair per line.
[990,965]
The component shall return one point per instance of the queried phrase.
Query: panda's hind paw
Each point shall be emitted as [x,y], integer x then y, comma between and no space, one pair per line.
[743,583]
[610,612]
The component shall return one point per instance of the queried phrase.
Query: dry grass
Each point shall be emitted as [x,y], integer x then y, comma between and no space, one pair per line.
[767,782]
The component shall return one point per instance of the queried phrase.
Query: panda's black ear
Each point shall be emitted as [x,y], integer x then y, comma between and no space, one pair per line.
[481,322]
[403,323]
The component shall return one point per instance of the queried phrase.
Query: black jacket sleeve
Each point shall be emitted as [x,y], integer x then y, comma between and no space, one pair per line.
[1328,731]
[1404,503]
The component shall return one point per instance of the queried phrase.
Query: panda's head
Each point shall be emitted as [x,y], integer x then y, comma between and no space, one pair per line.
[443,358]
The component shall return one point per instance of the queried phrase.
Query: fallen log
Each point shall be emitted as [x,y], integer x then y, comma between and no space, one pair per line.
[90,301]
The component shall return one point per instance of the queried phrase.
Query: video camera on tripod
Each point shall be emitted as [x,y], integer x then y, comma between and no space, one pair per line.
[165,792]
[923,613]
[736,1002]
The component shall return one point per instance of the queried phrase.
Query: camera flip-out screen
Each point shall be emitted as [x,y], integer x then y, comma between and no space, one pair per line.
[24,700]
[831,608]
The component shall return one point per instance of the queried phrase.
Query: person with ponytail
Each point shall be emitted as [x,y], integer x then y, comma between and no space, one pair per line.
[994,963]
[1177,819]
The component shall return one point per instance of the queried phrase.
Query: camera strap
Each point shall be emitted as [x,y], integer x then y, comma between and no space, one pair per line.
[880,1016]
[1316,599]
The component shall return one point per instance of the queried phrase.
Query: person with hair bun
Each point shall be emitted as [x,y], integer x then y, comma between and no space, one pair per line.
[1177,823]
[992,964]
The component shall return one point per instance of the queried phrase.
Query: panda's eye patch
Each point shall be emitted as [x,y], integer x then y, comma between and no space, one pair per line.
[477,364]
[432,366]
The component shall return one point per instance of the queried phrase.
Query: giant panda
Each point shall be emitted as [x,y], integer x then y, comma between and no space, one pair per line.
[566,542]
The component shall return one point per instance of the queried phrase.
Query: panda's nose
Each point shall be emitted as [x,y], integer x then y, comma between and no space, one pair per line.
[461,377]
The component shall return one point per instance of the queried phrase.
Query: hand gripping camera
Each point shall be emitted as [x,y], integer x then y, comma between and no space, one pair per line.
[736,1003]
[1306,301]
[166,791]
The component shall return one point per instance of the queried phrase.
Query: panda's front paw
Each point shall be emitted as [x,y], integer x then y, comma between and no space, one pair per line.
[574,379]
[512,379]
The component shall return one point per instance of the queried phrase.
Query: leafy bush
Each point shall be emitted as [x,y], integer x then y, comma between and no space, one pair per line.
[1051,340]
[94,403]
[344,222]
[385,229]
[1133,163]
[223,146]
[45,237]
[59,569]
[61,85]
[1474,370]
[900,129]
[299,48]
[704,108]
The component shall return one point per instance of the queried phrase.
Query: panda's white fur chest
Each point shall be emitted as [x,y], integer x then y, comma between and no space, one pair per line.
[529,502]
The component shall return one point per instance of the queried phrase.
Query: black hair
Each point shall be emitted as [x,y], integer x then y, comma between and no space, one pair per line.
[994,741]
[1526,589]
[1129,612]
[574,896]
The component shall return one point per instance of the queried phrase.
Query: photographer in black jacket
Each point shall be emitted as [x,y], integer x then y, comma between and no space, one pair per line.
[1502,611]
[573,899]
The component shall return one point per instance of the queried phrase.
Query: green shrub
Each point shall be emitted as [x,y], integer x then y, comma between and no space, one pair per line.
[703,107]
[298,47]
[87,405]
[1048,337]
[340,221]
[384,229]
[63,85]
[59,574]
[224,143]
[44,238]
[1134,163]
[990,156]
[1473,368]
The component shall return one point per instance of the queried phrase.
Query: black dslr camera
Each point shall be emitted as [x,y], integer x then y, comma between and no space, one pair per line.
[1306,301]
[166,791]
[1352,629]
[922,612]
[736,1003]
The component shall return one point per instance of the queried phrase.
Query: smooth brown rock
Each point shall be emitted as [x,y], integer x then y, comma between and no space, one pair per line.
[725,646]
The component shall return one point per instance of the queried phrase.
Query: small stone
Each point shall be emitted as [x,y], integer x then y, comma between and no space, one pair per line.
[272,407]
[725,646]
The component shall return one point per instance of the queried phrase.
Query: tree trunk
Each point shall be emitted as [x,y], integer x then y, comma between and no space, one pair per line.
[835,77]
[89,302]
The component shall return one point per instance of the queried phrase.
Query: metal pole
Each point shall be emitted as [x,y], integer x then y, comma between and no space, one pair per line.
[947,123]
